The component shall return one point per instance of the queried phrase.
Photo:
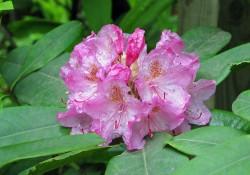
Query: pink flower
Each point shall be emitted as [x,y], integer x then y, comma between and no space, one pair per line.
[117,89]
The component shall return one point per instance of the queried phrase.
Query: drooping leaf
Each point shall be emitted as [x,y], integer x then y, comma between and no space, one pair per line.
[218,67]
[199,141]
[61,160]
[48,47]
[7,5]
[11,68]
[153,159]
[97,13]
[229,158]
[241,106]
[205,41]
[225,118]
[143,13]
[44,87]
[47,147]
[26,124]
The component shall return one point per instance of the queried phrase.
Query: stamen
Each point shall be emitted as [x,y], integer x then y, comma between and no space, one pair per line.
[149,129]
[82,130]
[164,95]
[62,100]
[117,124]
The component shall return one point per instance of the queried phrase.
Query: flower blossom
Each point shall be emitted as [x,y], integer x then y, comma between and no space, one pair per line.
[117,89]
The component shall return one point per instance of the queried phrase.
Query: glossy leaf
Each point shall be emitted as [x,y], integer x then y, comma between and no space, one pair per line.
[26,124]
[225,118]
[229,158]
[44,87]
[218,67]
[241,105]
[64,159]
[143,13]
[11,68]
[47,147]
[199,141]
[205,41]
[153,159]
[7,5]
[98,13]
[48,47]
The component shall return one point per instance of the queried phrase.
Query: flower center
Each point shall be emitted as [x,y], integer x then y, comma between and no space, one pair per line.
[156,109]
[156,69]
[92,69]
[115,94]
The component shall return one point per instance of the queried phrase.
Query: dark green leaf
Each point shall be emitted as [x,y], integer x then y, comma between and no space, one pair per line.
[153,159]
[218,67]
[144,12]
[47,147]
[205,41]
[241,105]
[98,13]
[229,158]
[61,160]
[199,141]
[50,46]
[225,118]
[26,124]
[44,87]
[11,68]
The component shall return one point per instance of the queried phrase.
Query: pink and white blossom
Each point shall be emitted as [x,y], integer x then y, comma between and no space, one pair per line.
[117,89]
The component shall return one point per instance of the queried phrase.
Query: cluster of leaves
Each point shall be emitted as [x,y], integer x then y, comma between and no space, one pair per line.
[32,142]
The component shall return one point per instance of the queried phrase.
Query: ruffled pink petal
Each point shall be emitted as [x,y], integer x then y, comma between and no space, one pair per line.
[170,40]
[161,118]
[135,45]
[71,118]
[120,71]
[197,112]
[182,128]
[115,34]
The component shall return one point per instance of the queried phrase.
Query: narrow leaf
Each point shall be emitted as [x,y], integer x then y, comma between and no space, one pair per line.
[153,159]
[48,47]
[144,12]
[47,147]
[199,141]
[11,68]
[61,160]
[225,118]
[229,158]
[218,67]
[44,87]
[98,13]
[205,41]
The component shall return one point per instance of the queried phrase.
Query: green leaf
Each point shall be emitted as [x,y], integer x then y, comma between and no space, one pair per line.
[97,13]
[25,35]
[241,106]
[218,67]
[11,68]
[225,118]
[199,141]
[26,124]
[44,87]
[205,41]
[144,12]
[7,5]
[61,160]
[48,47]
[47,147]
[153,159]
[229,158]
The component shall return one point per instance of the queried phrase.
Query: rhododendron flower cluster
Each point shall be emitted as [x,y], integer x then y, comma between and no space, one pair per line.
[117,89]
